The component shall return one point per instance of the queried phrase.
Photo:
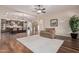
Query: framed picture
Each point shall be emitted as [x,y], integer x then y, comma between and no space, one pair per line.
[54,22]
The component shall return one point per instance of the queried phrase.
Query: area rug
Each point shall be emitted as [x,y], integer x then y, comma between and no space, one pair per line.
[39,44]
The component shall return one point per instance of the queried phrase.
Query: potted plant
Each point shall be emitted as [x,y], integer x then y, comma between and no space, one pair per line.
[74,25]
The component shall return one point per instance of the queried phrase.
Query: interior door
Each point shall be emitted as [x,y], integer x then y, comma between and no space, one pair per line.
[34,28]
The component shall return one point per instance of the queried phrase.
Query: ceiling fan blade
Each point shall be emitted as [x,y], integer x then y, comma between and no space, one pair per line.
[39,5]
[43,11]
[42,8]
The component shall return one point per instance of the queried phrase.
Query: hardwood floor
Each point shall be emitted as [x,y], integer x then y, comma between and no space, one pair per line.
[69,45]
[9,44]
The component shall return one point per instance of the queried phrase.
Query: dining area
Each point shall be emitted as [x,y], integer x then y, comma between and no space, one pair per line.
[13,26]
[14,29]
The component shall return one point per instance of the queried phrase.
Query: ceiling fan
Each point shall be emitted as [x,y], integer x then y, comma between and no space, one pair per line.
[39,9]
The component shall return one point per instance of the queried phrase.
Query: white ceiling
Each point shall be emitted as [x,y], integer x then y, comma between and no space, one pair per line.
[49,8]
[28,9]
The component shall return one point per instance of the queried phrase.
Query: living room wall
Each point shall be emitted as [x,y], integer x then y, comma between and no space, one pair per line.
[63,17]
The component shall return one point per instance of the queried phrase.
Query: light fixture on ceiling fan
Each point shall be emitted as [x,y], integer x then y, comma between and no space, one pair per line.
[39,9]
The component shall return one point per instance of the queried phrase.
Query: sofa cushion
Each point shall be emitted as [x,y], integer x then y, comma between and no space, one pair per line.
[51,30]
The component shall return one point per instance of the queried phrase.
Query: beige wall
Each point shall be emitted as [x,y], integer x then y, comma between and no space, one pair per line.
[0,28]
[63,21]
[44,20]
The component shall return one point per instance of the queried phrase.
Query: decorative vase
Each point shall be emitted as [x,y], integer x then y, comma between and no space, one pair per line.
[74,35]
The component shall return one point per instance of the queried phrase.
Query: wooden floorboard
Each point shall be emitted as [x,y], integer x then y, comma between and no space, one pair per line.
[9,44]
